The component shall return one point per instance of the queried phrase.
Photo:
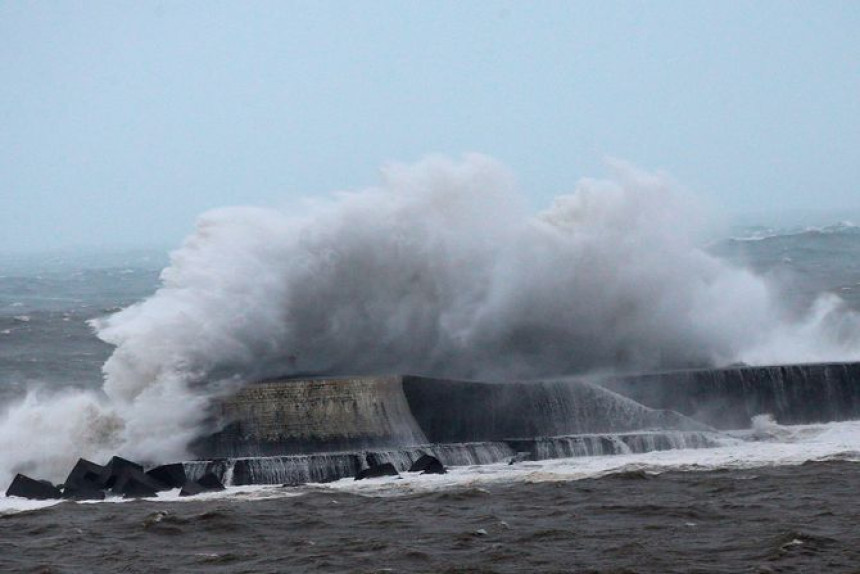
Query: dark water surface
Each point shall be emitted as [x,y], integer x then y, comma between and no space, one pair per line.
[779,519]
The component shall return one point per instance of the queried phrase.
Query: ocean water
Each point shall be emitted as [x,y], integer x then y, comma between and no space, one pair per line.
[46,301]
[805,261]
[784,502]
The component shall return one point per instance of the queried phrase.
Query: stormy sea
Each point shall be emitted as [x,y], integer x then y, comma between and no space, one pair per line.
[437,271]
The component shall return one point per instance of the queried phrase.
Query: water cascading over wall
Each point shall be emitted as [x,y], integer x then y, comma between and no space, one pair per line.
[458,411]
[729,398]
[304,416]
[313,430]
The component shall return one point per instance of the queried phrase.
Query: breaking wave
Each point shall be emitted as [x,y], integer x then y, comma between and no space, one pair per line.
[760,233]
[440,270]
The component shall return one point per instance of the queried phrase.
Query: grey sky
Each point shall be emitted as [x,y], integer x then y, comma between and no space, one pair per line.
[120,122]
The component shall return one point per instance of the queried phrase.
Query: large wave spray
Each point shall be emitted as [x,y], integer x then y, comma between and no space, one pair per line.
[440,270]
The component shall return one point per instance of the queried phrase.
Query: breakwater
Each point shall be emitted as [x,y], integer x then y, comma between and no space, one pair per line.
[325,467]
[292,431]
[729,398]
[281,417]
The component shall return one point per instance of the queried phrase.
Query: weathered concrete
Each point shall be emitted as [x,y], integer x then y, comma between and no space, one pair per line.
[85,476]
[169,475]
[131,482]
[313,415]
[27,487]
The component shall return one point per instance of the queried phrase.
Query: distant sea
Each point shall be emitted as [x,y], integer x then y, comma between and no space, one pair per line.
[45,303]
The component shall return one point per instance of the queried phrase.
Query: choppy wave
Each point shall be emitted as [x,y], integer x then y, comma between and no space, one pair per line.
[440,270]
[760,233]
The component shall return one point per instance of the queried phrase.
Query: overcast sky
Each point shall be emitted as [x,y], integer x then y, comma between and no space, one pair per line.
[122,121]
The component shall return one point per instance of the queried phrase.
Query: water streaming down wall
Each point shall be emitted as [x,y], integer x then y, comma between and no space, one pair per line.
[317,430]
[458,454]
[456,411]
[325,467]
[306,416]
[293,470]
[612,444]
[729,398]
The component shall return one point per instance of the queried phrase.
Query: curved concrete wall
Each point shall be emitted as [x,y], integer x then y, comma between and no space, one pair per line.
[729,398]
[460,411]
[344,414]
[313,415]
[285,417]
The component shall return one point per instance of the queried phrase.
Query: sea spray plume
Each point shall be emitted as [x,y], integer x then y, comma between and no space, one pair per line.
[46,432]
[334,289]
[441,271]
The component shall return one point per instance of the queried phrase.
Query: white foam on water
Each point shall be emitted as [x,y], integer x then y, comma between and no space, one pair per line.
[749,449]
[14,504]
[796,445]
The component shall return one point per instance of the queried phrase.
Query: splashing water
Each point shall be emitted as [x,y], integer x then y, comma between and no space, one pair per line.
[439,271]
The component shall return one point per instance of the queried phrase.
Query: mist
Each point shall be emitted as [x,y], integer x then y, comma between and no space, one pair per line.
[441,270]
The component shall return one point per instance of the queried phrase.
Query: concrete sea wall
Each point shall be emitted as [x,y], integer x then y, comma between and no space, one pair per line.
[729,398]
[312,415]
[299,417]
[298,469]
[461,411]
[284,417]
